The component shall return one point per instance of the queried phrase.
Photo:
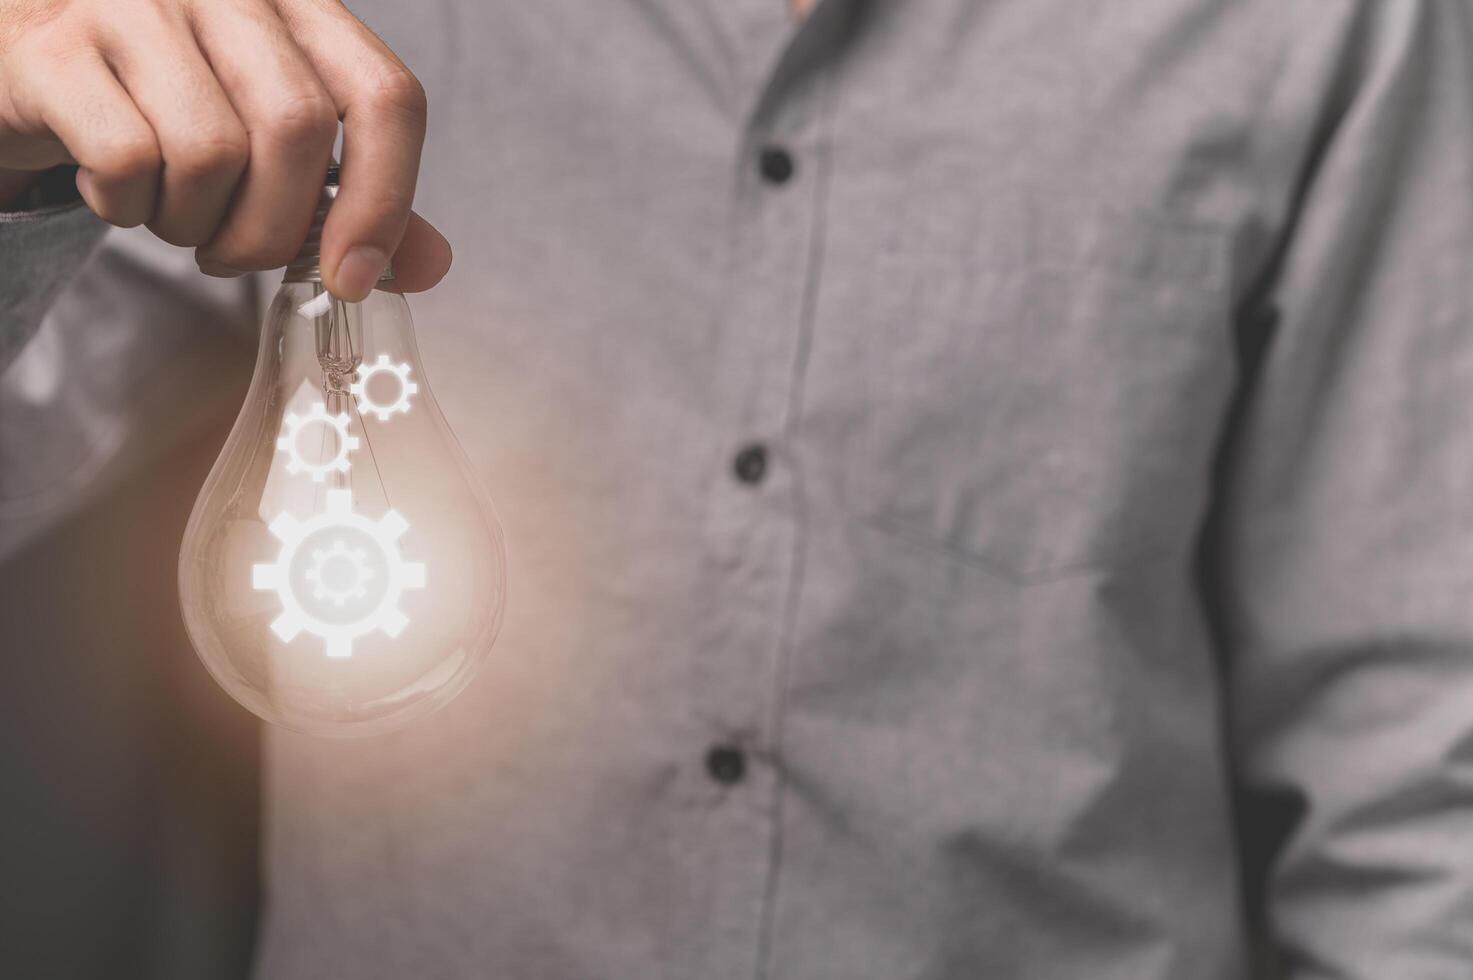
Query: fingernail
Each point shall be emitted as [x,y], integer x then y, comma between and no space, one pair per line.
[216,269]
[360,269]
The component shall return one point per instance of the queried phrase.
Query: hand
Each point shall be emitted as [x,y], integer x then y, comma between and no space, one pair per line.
[212,122]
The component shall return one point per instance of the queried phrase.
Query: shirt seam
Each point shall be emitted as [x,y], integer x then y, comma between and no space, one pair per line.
[781,668]
[40,214]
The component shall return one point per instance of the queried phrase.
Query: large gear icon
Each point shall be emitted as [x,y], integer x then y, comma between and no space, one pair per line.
[296,463]
[355,558]
[338,515]
[385,410]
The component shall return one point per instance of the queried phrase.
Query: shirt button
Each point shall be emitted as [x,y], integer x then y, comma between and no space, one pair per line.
[775,164]
[727,764]
[750,465]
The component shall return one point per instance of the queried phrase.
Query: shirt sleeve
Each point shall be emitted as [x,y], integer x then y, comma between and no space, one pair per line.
[116,350]
[1341,552]
[41,251]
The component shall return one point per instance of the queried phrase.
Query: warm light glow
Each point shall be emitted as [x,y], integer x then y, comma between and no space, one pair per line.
[303,571]
[319,613]
[335,588]
[384,410]
[291,432]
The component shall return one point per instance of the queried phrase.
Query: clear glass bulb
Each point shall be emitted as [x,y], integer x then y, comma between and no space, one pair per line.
[343,571]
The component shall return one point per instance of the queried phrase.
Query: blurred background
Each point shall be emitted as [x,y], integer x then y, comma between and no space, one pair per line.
[130,815]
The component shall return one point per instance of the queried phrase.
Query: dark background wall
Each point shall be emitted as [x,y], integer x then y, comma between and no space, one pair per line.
[128,785]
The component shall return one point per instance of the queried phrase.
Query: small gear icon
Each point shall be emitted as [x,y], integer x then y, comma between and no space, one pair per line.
[291,432]
[355,558]
[384,410]
[338,516]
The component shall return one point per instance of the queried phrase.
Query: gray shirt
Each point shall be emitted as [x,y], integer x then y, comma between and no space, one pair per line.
[945,449]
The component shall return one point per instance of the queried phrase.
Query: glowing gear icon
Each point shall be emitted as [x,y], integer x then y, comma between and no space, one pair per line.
[323,585]
[296,462]
[384,410]
[338,516]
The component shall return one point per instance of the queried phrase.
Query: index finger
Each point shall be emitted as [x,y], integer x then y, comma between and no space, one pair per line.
[383,109]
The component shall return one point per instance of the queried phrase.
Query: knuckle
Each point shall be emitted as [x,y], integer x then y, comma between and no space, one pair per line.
[49,43]
[221,152]
[124,157]
[120,206]
[391,202]
[182,237]
[184,223]
[251,254]
[305,118]
[119,212]
[395,89]
[177,234]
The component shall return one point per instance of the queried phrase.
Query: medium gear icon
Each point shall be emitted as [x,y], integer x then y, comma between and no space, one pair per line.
[296,463]
[357,558]
[338,515]
[384,410]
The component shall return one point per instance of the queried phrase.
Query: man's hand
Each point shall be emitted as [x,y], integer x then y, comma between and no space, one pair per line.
[212,122]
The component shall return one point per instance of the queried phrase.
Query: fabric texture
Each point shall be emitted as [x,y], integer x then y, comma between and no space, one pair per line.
[1113,367]
[43,249]
[129,352]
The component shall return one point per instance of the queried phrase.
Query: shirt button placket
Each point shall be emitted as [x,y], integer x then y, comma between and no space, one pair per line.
[750,463]
[753,524]
[775,164]
[726,764]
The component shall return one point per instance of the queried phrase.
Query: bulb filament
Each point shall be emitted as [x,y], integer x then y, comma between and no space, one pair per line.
[339,335]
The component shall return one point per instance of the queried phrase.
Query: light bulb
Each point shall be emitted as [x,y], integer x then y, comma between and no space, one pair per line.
[343,570]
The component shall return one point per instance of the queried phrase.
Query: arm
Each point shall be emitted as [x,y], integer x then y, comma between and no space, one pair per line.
[130,352]
[1341,556]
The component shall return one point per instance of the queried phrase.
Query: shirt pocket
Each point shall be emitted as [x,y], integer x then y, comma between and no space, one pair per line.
[1032,386]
